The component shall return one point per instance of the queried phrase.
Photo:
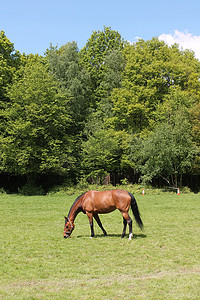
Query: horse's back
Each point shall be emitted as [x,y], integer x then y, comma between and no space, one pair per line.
[106,201]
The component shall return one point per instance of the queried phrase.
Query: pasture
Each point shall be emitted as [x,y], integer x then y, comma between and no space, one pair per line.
[162,262]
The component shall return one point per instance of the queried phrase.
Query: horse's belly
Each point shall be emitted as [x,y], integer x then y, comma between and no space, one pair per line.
[104,210]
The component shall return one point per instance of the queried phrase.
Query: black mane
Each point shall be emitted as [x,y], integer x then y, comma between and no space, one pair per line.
[75,202]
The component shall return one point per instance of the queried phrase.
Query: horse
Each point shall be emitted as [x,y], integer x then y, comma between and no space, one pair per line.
[93,203]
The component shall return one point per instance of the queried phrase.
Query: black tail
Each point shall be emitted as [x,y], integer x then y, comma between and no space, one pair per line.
[135,211]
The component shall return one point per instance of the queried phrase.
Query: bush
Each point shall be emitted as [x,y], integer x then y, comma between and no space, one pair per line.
[185,190]
[30,189]
[135,189]
[2,191]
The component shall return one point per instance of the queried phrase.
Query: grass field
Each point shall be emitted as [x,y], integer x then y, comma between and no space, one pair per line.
[162,262]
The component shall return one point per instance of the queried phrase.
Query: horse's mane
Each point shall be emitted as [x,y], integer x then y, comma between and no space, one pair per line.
[75,202]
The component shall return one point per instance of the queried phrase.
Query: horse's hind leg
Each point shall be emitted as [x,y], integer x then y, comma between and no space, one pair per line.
[124,230]
[129,221]
[100,224]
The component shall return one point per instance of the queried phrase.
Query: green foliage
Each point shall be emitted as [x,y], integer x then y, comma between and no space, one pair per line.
[30,189]
[152,70]
[195,119]
[64,64]
[104,151]
[167,153]
[9,62]
[124,181]
[36,137]
[114,65]
[176,102]
[75,112]
[2,190]
[97,56]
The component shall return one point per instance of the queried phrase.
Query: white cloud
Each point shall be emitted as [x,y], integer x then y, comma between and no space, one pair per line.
[185,40]
[135,40]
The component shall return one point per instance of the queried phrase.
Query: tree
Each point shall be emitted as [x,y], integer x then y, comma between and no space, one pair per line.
[104,152]
[114,65]
[64,64]
[37,136]
[174,103]
[152,70]
[93,56]
[167,153]
[102,146]
[9,62]
[195,119]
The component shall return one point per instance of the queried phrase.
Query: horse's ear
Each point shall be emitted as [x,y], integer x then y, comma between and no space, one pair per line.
[65,218]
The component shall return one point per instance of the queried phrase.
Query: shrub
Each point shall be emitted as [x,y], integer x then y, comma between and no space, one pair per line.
[2,190]
[30,189]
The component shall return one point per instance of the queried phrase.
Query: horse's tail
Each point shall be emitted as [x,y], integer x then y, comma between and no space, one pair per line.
[135,211]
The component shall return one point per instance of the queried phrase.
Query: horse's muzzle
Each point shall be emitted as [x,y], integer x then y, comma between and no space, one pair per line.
[66,236]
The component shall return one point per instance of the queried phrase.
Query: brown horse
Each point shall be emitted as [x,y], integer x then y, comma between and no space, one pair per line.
[93,203]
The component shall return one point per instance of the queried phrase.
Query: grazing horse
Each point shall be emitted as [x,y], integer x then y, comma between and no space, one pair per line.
[93,203]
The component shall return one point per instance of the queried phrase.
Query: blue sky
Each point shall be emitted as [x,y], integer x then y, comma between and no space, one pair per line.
[33,25]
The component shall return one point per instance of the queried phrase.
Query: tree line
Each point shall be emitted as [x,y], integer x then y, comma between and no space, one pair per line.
[128,110]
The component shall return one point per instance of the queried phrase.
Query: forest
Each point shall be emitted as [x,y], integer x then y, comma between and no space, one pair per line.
[109,112]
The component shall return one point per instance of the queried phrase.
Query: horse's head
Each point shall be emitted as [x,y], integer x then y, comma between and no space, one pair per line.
[69,227]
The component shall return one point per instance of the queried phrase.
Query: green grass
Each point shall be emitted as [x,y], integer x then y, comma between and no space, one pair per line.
[163,262]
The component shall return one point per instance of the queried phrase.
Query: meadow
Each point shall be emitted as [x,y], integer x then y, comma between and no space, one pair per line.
[161,262]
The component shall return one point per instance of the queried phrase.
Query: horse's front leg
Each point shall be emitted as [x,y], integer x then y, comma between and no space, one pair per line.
[99,223]
[90,217]
[129,221]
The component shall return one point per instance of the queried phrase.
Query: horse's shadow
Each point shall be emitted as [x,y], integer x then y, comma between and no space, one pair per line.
[135,236]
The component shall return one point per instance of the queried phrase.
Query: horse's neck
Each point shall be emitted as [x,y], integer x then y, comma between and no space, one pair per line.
[75,210]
